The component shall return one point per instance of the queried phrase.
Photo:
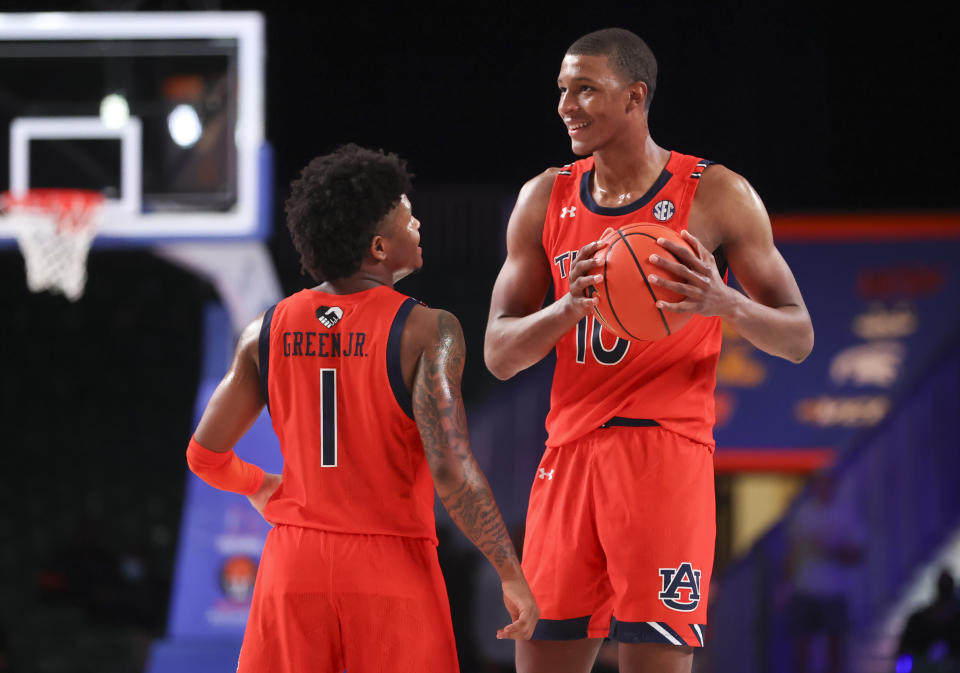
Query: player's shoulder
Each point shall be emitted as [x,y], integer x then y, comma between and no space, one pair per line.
[548,176]
[431,326]
[727,196]
[719,184]
[248,345]
[538,187]
[534,198]
[729,203]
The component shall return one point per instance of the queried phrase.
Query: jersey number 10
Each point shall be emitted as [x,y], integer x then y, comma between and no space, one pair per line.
[602,354]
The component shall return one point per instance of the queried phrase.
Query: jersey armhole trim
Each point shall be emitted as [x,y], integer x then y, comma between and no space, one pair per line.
[698,169]
[263,349]
[394,366]
[558,179]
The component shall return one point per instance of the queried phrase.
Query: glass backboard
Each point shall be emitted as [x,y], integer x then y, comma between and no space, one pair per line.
[162,112]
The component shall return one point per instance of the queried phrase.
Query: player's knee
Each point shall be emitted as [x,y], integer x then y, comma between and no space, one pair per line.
[522,660]
[661,657]
[526,657]
[556,656]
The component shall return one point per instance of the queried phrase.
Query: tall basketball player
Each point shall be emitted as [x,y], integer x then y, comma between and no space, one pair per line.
[363,386]
[620,540]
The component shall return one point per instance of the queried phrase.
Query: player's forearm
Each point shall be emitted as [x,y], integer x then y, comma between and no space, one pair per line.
[458,479]
[467,498]
[785,331]
[442,421]
[514,343]
[224,470]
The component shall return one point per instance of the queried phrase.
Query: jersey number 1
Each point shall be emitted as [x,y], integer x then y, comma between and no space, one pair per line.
[328,418]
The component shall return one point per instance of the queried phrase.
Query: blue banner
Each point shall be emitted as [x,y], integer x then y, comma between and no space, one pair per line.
[221,538]
[881,310]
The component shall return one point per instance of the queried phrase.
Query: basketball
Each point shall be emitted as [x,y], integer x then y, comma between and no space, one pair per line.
[628,301]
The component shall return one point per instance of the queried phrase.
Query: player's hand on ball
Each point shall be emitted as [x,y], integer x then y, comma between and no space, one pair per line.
[522,608]
[583,275]
[271,482]
[701,284]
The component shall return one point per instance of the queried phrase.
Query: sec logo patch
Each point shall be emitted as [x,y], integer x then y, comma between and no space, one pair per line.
[664,210]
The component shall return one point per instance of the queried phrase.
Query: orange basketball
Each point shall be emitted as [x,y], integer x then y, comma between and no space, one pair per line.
[628,301]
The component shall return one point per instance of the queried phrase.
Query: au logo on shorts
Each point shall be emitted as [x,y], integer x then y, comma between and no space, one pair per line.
[664,210]
[681,587]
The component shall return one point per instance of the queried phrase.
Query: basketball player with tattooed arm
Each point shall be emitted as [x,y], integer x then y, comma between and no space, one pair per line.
[363,386]
[621,525]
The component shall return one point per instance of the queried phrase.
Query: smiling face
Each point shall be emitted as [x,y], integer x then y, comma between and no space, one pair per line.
[401,234]
[596,104]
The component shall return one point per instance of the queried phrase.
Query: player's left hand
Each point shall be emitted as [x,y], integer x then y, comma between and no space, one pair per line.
[271,482]
[522,607]
[700,282]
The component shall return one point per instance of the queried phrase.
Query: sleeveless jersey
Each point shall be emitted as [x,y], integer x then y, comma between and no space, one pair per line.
[353,459]
[599,376]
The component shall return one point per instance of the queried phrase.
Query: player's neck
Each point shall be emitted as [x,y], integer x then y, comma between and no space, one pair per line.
[623,173]
[364,279]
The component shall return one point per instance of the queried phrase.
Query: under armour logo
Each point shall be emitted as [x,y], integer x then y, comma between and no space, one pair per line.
[568,211]
[675,580]
[546,475]
[329,315]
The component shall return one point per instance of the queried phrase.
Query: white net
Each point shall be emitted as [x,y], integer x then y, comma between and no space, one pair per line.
[55,229]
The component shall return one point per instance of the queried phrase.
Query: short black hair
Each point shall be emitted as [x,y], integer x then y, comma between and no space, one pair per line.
[337,203]
[628,55]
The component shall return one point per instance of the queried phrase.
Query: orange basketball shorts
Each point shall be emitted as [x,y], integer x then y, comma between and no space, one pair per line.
[620,537]
[325,602]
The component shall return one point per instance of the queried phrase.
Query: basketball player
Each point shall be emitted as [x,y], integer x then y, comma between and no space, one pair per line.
[621,525]
[363,386]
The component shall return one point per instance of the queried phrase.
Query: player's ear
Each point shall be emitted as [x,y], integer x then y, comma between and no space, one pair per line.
[637,95]
[380,243]
[378,247]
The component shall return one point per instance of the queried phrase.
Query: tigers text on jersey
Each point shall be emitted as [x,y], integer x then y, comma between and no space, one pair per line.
[599,376]
[353,459]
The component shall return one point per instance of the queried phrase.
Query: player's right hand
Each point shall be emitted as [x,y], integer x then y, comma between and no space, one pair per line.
[583,276]
[522,608]
[271,482]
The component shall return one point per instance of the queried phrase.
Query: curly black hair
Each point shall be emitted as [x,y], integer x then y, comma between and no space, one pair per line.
[336,204]
[628,55]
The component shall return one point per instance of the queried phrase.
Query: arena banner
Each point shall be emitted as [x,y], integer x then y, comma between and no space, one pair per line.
[221,538]
[884,296]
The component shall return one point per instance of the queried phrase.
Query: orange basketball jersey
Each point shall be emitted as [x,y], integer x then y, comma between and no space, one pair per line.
[353,460]
[599,376]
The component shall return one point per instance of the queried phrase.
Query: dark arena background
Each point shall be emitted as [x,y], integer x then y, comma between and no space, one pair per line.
[842,118]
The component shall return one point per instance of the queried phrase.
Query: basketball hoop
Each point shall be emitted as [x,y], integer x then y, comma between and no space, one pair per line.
[55,228]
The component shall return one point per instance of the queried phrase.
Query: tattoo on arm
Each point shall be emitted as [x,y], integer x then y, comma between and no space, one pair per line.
[438,409]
